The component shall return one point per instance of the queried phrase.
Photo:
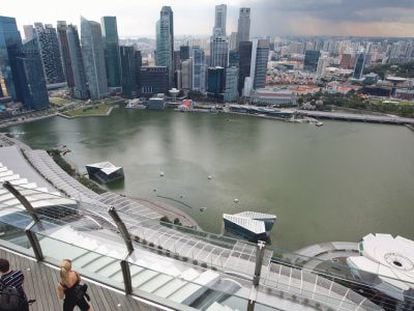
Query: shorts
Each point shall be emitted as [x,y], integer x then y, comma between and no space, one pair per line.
[69,305]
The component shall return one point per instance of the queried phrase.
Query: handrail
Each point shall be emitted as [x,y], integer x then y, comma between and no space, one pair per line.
[126,272]
[122,225]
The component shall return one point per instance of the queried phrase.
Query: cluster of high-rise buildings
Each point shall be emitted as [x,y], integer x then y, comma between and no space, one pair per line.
[319,53]
[93,65]
[233,67]
[88,64]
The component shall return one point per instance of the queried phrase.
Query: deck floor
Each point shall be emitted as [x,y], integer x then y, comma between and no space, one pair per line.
[40,284]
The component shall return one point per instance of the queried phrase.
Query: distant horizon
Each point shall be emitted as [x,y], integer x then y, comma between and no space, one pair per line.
[357,18]
[206,36]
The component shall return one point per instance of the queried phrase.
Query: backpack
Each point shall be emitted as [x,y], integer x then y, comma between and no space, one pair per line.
[11,299]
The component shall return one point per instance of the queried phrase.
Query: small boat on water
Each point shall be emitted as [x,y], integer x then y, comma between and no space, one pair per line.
[319,124]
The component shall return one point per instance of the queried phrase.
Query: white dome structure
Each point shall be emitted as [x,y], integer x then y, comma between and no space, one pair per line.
[392,259]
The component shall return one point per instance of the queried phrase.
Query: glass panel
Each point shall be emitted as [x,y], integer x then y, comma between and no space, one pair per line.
[187,285]
[167,255]
[15,238]
[89,262]
[331,281]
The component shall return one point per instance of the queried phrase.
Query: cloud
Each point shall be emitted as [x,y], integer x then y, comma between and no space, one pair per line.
[340,9]
[269,17]
[333,17]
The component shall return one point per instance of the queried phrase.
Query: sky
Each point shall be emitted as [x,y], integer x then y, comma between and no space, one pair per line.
[268,17]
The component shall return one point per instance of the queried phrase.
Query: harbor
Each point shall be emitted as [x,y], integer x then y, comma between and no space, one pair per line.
[288,169]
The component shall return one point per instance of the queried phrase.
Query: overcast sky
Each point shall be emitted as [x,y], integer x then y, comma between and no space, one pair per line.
[269,17]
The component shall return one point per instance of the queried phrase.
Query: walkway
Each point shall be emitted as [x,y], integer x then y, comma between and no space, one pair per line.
[40,283]
[343,116]
[314,255]
[319,249]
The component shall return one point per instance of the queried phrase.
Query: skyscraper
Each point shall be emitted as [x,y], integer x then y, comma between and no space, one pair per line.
[219,49]
[177,60]
[128,75]
[231,93]
[32,83]
[64,52]
[49,52]
[243,27]
[80,89]
[233,41]
[215,84]
[184,52]
[311,60]
[187,74]
[322,64]
[346,60]
[154,80]
[111,46]
[234,58]
[93,58]
[359,66]
[10,45]
[165,41]
[220,20]
[199,69]
[262,57]
[245,58]
[138,65]
[29,32]
[258,66]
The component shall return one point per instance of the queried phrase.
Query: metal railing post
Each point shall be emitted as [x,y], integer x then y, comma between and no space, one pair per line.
[122,229]
[126,274]
[34,242]
[260,248]
[126,271]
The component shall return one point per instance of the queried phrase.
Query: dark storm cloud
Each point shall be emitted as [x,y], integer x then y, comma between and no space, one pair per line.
[360,17]
[343,10]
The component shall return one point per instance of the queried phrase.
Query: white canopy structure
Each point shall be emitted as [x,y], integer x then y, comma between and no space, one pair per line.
[392,259]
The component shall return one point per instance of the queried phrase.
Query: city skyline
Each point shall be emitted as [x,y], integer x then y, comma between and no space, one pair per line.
[268,17]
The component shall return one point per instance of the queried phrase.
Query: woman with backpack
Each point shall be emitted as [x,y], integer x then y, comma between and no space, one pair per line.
[70,289]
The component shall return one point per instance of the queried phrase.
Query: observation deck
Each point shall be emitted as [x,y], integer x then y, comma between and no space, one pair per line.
[41,280]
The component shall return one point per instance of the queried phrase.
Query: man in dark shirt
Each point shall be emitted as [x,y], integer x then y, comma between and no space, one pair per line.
[11,278]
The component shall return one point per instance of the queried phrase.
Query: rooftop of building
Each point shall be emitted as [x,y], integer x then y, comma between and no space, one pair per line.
[252,225]
[392,258]
[106,167]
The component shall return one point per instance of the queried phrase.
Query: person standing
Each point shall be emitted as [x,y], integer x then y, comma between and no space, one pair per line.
[13,280]
[70,289]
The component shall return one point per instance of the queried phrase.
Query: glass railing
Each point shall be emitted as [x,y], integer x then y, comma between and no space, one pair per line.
[95,264]
[329,279]
[182,266]
[12,234]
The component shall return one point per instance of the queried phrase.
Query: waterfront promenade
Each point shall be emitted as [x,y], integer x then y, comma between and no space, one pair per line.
[342,116]
[20,120]
[313,255]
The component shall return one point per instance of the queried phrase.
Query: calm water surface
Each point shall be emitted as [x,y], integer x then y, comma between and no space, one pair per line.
[337,182]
